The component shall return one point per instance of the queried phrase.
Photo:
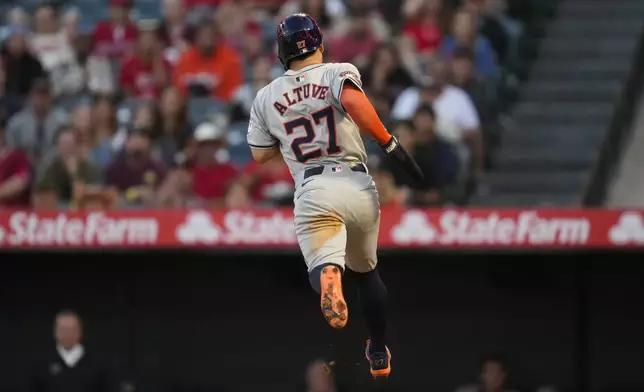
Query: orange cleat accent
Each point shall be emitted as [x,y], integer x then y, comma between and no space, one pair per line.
[334,307]
[379,363]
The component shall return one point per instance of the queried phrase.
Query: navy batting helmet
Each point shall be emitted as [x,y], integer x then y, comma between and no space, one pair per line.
[297,36]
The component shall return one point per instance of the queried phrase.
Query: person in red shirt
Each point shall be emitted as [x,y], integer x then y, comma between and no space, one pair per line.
[146,72]
[117,36]
[423,26]
[15,175]
[270,183]
[210,68]
[211,174]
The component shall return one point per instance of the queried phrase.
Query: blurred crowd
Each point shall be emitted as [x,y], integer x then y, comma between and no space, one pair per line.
[141,104]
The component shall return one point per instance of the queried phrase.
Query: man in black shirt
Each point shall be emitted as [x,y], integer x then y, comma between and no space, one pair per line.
[69,368]
[435,157]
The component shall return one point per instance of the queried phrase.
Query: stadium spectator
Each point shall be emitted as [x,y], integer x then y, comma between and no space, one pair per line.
[99,150]
[174,31]
[478,90]
[233,22]
[493,378]
[49,42]
[94,70]
[463,76]
[270,184]
[146,118]
[23,67]
[495,12]
[16,173]
[385,75]
[145,73]
[69,366]
[211,173]
[105,124]
[356,45]
[423,24]
[489,28]
[116,36]
[457,119]
[69,168]
[464,35]
[252,48]
[52,46]
[134,173]
[436,158]
[243,98]
[34,129]
[171,136]
[209,68]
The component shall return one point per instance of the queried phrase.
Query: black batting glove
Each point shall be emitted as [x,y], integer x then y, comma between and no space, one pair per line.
[400,155]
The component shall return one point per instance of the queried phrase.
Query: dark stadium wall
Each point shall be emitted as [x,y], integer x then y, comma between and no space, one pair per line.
[180,321]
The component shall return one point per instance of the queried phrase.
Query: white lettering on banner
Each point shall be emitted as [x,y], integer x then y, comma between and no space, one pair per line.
[237,228]
[247,228]
[27,228]
[458,227]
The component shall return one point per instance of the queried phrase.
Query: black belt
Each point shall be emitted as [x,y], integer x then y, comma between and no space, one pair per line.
[314,171]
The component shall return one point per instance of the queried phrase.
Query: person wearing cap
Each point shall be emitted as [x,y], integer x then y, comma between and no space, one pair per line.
[35,128]
[17,62]
[211,173]
[145,73]
[15,173]
[134,173]
[116,36]
[209,68]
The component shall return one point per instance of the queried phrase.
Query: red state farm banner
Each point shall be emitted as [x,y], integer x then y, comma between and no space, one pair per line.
[273,228]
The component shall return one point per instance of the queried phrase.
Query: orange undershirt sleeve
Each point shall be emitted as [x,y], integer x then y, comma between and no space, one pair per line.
[357,105]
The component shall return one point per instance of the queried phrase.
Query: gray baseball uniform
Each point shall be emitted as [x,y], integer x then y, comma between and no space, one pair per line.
[337,214]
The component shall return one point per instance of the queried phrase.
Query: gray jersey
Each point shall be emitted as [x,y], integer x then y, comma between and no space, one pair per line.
[301,113]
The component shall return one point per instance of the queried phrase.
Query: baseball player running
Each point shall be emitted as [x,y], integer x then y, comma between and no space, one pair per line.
[313,115]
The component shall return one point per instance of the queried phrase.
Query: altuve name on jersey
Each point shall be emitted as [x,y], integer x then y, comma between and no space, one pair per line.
[300,93]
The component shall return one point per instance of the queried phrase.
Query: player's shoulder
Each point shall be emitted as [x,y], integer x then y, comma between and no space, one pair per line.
[342,67]
[263,92]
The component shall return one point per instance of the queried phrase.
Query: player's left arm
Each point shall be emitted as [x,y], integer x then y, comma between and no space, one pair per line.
[348,91]
[263,145]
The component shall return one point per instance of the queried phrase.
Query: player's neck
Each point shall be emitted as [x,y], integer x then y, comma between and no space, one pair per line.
[298,65]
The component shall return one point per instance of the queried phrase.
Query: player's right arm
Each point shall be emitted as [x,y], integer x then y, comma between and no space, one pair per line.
[263,145]
[359,108]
